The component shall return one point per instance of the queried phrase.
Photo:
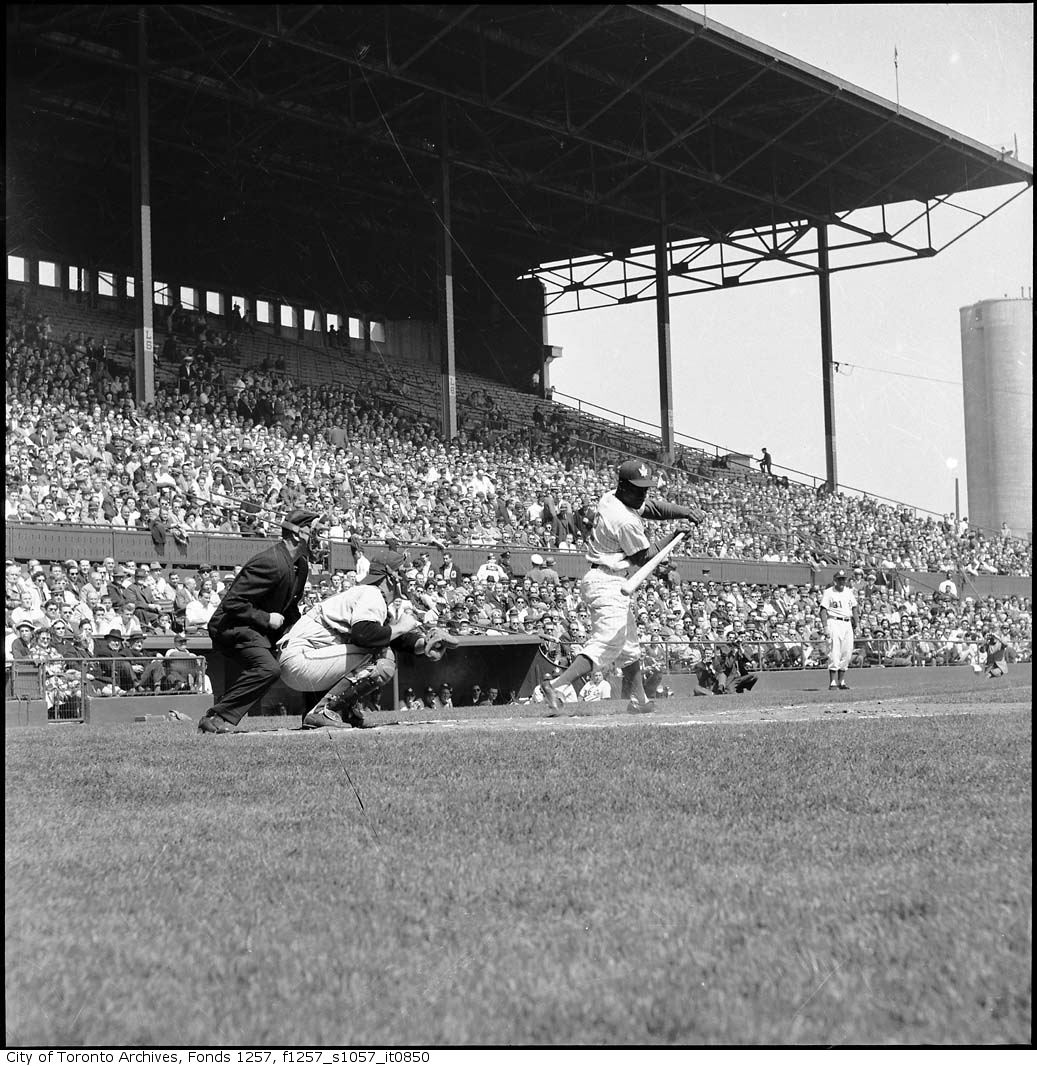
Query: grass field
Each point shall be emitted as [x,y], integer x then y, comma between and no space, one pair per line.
[833,881]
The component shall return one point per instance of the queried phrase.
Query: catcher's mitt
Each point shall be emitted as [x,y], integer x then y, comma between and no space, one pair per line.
[435,643]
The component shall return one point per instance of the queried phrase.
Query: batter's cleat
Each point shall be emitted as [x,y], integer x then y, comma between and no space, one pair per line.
[633,707]
[213,723]
[553,700]
[844,687]
[832,687]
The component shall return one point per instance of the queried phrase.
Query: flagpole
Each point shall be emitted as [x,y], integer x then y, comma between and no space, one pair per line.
[896,75]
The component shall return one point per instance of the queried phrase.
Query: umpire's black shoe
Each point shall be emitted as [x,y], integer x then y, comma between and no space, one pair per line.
[213,723]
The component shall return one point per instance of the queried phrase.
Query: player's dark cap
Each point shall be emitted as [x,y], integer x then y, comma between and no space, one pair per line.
[636,473]
[838,574]
[385,566]
[298,518]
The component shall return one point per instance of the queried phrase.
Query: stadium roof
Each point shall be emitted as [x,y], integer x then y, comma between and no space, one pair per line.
[304,144]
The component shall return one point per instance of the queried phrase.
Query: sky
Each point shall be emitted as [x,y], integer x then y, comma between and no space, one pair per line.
[742,384]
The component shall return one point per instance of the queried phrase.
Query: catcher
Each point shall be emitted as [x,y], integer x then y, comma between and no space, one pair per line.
[344,646]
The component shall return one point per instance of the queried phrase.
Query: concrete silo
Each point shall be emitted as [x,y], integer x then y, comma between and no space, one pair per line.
[997,373]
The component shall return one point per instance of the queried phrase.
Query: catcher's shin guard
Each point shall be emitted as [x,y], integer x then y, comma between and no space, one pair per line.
[358,684]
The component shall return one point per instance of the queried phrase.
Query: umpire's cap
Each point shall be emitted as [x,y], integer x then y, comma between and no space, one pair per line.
[635,472]
[385,566]
[298,518]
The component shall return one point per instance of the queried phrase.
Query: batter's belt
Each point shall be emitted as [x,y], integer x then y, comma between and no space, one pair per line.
[610,569]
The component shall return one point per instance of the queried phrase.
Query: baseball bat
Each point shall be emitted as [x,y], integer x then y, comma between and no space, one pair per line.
[640,576]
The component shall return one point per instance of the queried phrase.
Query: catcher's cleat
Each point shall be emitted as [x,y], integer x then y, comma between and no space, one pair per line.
[552,699]
[328,718]
[213,723]
[633,707]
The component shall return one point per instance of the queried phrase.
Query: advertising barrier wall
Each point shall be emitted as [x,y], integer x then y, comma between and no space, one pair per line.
[225,551]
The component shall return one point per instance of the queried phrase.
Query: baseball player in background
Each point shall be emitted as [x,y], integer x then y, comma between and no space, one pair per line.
[839,617]
[344,645]
[617,546]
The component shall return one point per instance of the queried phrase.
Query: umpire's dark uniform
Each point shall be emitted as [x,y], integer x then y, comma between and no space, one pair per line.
[272,582]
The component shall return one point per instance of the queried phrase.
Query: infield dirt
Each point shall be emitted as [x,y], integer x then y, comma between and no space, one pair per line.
[996,697]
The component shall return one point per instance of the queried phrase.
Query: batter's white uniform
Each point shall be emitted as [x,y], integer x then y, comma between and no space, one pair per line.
[619,531]
[316,652]
[839,606]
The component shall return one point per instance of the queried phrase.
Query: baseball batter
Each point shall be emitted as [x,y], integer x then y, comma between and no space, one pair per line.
[618,546]
[839,617]
[344,645]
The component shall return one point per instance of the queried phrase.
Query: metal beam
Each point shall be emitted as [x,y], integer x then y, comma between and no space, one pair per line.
[556,128]
[637,82]
[827,368]
[676,104]
[662,321]
[551,54]
[435,38]
[445,258]
[304,114]
[144,300]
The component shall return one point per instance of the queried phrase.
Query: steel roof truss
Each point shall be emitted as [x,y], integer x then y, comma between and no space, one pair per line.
[551,54]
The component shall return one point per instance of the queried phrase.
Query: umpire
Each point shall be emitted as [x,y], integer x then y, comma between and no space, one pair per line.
[261,605]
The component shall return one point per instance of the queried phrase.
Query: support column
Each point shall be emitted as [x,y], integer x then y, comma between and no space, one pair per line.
[827,365]
[662,317]
[447,363]
[144,327]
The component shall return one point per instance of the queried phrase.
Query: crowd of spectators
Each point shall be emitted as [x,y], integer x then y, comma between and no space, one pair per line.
[223,449]
[219,447]
[84,626]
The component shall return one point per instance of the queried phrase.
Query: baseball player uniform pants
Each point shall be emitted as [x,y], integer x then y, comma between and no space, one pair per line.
[316,669]
[613,636]
[840,637]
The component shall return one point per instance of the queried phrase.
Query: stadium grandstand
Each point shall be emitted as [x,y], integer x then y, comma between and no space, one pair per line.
[352,321]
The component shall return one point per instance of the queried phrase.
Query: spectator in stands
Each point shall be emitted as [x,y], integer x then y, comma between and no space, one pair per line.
[127,623]
[29,611]
[491,571]
[57,687]
[62,639]
[182,662]
[21,646]
[136,656]
[84,638]
[947,588]
[113,671]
